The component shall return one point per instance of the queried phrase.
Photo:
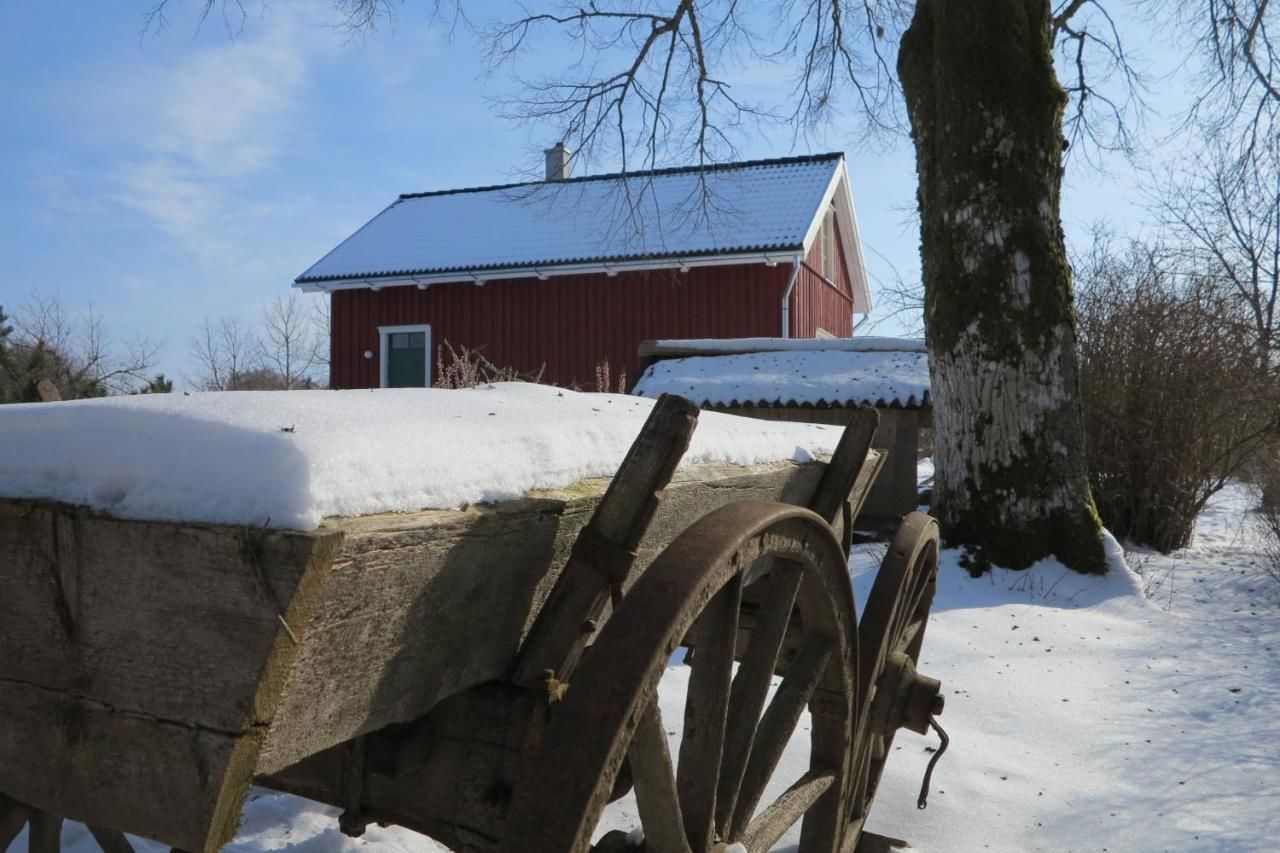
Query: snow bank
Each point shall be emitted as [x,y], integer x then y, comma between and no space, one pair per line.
[831,376]
[288,460]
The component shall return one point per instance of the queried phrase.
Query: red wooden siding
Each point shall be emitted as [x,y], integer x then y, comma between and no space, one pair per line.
[567,323]
[815,303]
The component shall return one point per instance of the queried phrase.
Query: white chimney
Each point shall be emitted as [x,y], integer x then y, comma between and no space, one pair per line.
[557,162]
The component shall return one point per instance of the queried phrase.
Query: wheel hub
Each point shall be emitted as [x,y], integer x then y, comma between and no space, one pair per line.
[904,698]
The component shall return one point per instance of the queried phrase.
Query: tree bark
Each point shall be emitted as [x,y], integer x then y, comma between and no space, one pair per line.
[986,116]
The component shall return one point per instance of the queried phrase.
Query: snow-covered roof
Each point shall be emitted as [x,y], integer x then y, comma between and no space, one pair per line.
[289,459]
[795,377]
[762,210]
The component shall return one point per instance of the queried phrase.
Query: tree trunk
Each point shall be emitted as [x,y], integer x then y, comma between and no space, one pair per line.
[986,118]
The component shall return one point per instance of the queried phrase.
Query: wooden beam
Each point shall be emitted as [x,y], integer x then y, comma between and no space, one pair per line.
[152,654]
[13,816]
[602,557]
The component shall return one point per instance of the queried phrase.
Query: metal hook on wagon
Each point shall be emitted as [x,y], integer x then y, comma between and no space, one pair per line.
[923,801]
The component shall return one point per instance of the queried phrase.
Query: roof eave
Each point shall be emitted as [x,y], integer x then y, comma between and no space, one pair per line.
[770,257]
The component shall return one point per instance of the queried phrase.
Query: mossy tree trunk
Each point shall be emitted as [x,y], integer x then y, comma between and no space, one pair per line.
[986,117]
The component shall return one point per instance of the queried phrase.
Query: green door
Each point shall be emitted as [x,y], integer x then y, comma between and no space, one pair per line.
[407,360]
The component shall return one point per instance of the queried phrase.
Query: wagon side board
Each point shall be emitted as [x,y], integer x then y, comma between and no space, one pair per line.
[425,605]
[148,671]
[141,663]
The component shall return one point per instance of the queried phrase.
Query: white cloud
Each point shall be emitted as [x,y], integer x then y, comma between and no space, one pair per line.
[223,111]
[185,135]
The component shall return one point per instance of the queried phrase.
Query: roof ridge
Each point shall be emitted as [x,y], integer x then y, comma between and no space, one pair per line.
[648,173]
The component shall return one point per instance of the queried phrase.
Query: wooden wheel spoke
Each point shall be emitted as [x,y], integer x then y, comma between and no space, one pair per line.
[908,635]
[655,787]
[776,726]
[782,814]
[751,684]
[110,840]
[692,594]
[705,713]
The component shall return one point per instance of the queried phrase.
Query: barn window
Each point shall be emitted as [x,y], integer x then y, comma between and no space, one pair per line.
[829,245]
[405,356]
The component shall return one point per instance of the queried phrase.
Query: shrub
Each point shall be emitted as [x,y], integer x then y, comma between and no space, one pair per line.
[1266,477]
[604,379]
[468,368]
[1176,395]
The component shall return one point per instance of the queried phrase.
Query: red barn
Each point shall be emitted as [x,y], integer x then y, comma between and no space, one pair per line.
[564,274]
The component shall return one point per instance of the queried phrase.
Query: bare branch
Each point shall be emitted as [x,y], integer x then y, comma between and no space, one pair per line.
[290,344]
[79,356]
[1095,61]
[223,352]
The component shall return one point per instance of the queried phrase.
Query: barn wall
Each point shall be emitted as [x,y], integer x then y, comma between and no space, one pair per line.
[815,303]
[564,325]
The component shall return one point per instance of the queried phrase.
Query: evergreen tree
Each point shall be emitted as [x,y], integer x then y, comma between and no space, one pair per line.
[6,369]
[158,385]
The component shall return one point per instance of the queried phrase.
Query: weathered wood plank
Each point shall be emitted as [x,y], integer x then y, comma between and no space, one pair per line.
[124,771]
[151,655]
[433,603]
[841,477]
[45,833]
[172,621]
[13,816]
[603,555]
[655,785]
[706,714]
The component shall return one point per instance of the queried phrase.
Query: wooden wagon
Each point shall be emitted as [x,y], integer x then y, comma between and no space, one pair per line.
[486,676]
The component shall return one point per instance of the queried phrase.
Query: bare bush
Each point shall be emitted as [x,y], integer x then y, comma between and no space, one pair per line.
[1176,394]
[283,353]
[1266,478]
[604,380]
[293,341]
[223,352]
[468,368]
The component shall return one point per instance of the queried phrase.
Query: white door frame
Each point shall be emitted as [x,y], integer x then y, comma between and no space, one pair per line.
[384,345]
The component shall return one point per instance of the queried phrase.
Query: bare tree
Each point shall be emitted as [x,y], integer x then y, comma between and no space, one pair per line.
[223,351]
[649,83]
[1239,100]
[321,321]
[78,355]
[1227,220]
[291,345]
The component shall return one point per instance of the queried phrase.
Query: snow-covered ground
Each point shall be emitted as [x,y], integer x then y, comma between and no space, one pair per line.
[1136,712]
[1085,716]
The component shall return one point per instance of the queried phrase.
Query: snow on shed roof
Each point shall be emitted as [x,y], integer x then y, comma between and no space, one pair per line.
[733,346]
[754,207]
[289,459]
[821,377]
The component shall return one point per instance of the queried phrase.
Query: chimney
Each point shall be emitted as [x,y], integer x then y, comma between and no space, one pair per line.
[557,162]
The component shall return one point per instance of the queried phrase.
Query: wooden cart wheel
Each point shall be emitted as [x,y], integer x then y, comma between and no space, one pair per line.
[45,835]
[732,742]
[890,636]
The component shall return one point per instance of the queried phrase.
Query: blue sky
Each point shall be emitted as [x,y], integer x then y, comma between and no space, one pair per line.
[169,178]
